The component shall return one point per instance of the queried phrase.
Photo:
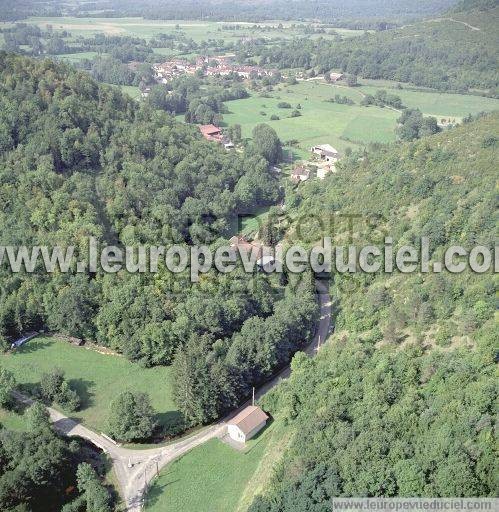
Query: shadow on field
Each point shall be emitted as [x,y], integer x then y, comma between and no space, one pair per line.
[154,493]
[32,346]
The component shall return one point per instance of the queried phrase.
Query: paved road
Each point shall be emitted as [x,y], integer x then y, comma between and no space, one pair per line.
[136,468]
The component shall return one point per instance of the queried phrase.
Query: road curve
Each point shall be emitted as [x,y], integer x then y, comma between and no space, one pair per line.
[136,468]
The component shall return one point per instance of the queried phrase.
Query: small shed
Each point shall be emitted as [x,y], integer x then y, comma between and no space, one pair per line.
[246,424]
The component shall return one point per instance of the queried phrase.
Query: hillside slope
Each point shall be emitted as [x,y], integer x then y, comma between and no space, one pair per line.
[401,400]
[457,51]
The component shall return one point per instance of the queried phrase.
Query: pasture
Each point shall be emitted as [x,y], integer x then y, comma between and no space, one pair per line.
[320,122]
[434,103]
[196,30]
[97,377]
[210,478]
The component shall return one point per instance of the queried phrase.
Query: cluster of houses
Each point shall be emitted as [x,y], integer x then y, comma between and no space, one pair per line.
[328,156]
[219,65]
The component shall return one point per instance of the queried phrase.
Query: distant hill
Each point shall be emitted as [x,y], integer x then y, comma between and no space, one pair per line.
[452,52]
[472,5]
[248,10]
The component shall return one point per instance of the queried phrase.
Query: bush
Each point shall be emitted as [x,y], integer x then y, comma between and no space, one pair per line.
[284,104]
[295,113]
[273,117]
[443,338]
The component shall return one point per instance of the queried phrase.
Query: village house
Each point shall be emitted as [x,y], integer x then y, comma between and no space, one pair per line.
[324,169]
[326,152]
[300,174]
[246,424]
[211,132]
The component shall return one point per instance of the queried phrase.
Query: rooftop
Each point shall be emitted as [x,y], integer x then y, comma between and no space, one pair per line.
[209,129]
[249,418]
[326,147]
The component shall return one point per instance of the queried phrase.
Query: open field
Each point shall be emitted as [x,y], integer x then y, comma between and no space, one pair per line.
[210,478]
[131,90]
[12,420]
[321,122]
[435,103]
[343,125]
[75,57]
[98,378]
[197,30]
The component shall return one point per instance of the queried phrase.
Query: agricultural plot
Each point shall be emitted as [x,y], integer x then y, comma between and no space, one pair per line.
[321,122]
[344,125]
[197,30]
[210,478]
[97,377]
[433,103]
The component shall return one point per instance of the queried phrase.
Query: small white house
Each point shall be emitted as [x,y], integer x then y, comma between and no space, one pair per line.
[246,424]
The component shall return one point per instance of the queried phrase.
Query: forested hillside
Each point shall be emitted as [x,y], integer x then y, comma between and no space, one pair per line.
[80,159]
[251,10]
[401,402]
[456,51]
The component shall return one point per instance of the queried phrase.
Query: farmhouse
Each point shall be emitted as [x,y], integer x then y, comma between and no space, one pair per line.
[335,76]
[326,152]
[300,174]
[211,132]
[246,424]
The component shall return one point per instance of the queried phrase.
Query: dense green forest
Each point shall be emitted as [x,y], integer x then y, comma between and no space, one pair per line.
[402,401]
[80,159]
[224,10]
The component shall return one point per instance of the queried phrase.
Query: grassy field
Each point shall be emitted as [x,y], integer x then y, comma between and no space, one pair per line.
[321,122]
[435,103]
[197,30]
[210,478]
[131,90]
[98,378]
[75,57]
[12,420]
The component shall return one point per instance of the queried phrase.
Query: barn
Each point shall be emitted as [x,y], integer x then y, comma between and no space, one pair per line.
[246,424]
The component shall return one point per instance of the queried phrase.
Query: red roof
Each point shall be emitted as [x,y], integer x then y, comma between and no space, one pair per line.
[210,129]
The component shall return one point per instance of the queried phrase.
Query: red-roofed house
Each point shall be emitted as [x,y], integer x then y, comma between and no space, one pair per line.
[211,132]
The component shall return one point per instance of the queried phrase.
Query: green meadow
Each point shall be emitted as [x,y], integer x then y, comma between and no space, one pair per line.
[210,478]
[197,30]
[12,420]
[97,377]
[320,122]
[435,103]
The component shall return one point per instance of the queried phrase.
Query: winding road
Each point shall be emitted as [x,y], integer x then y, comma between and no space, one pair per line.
[135,469]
